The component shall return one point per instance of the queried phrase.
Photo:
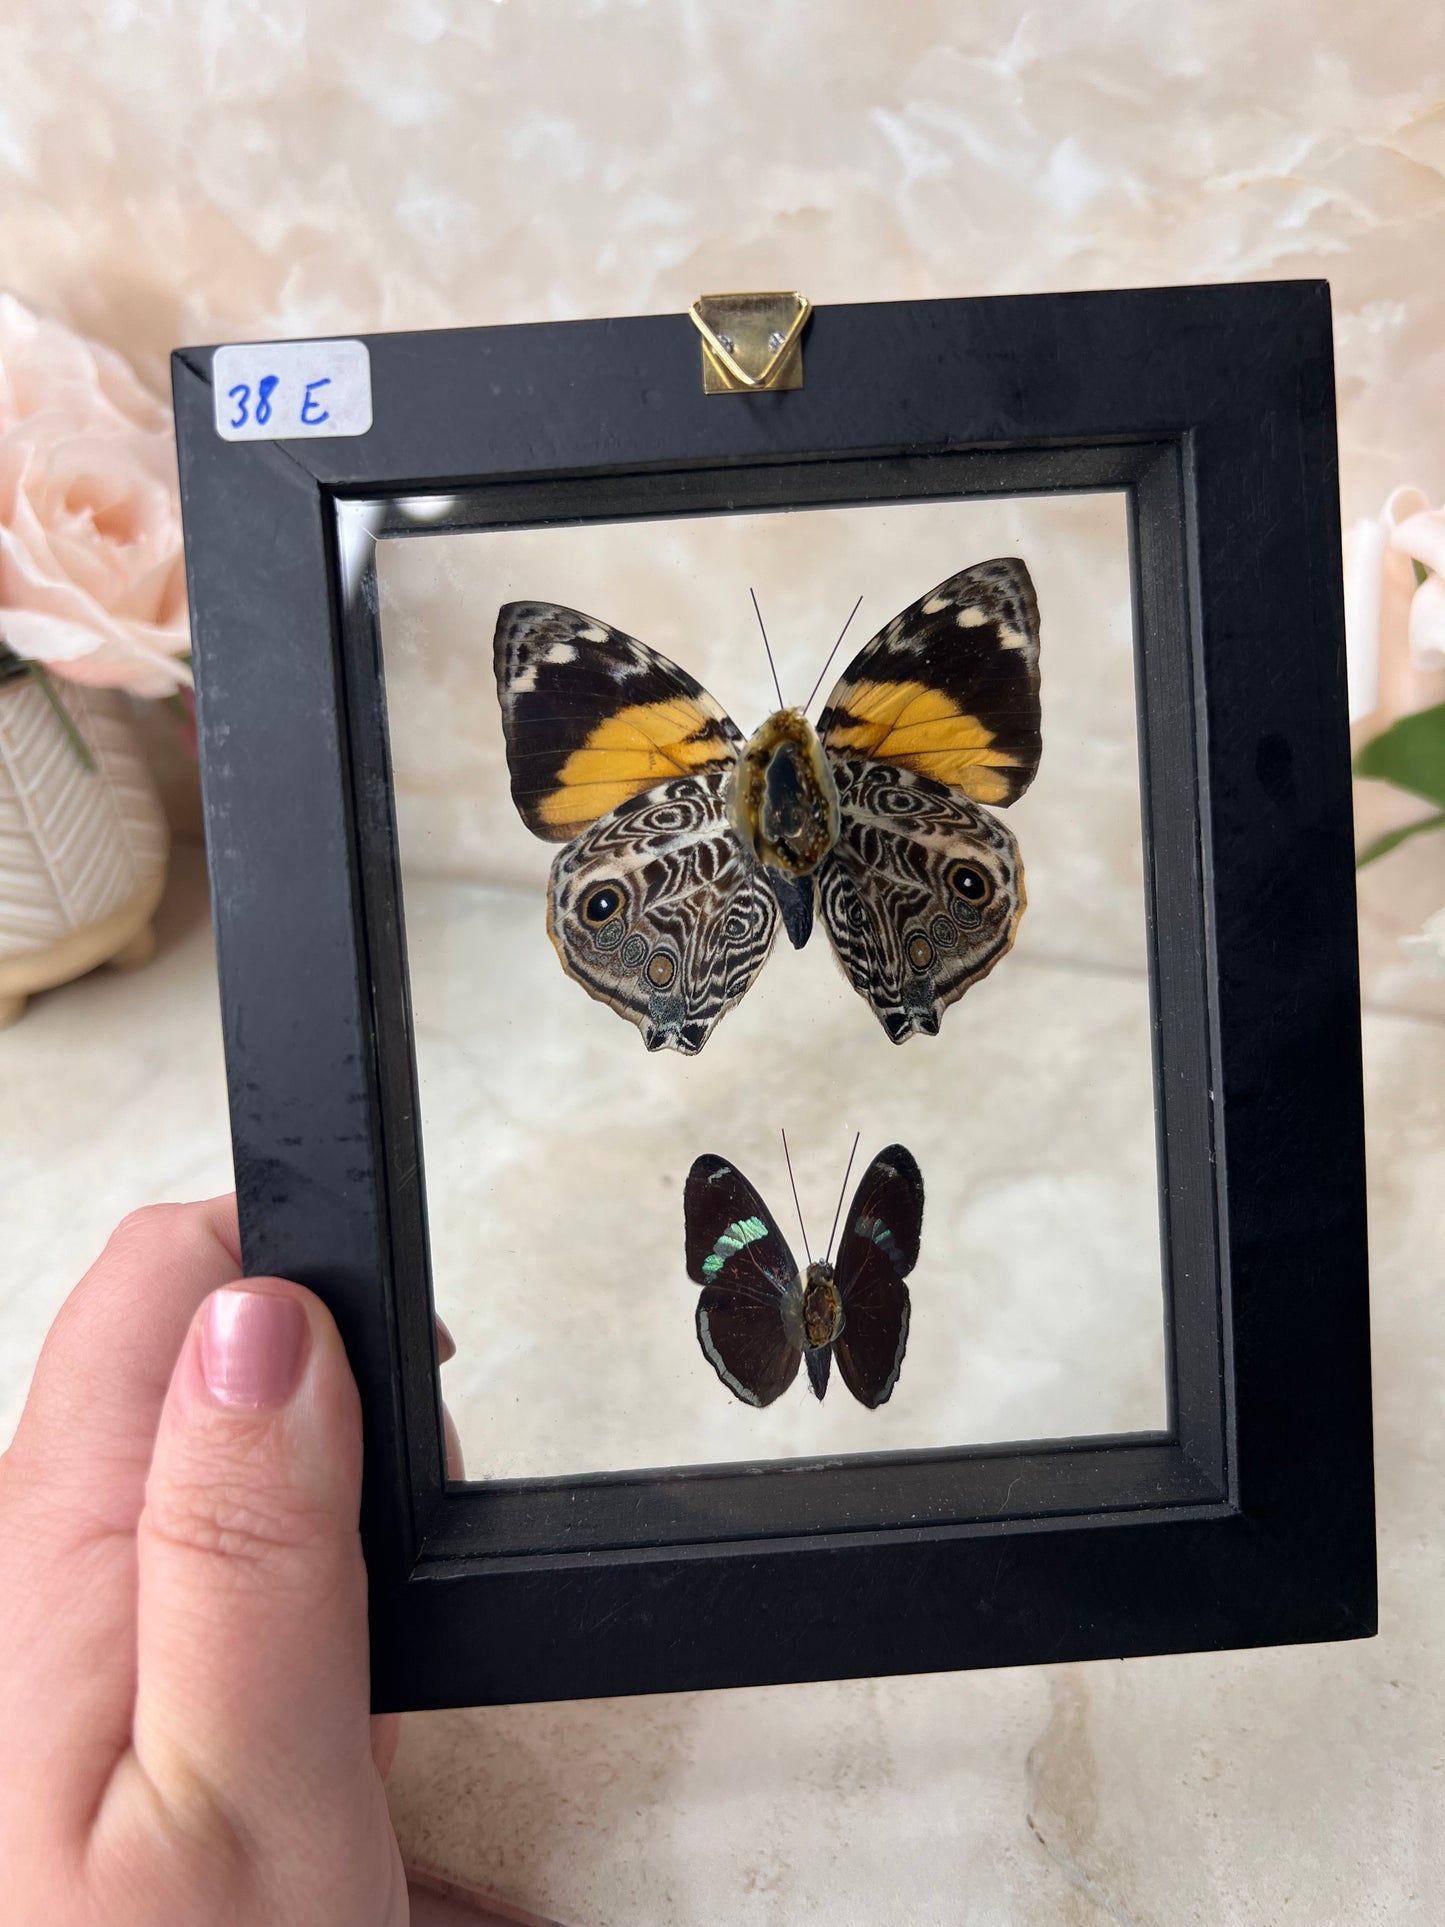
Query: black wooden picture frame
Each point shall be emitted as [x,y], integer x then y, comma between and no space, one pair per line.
[1249,1520]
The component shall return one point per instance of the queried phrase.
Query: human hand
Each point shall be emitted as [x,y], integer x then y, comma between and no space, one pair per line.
[184,1661]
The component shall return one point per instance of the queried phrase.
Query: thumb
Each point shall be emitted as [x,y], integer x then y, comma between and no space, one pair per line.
[252,1688]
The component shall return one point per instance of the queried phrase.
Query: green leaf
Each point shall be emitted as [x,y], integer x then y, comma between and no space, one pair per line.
[1392,839]
[1421,572]
[1410,754]
[63,717]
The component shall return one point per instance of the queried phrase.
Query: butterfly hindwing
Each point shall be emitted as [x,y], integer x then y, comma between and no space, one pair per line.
[657,910]
[921,896]
[950,688]
[592,717]
[748,1315]
[879,1248]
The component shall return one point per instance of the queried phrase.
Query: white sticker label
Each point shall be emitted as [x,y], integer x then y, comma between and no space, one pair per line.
[270,391]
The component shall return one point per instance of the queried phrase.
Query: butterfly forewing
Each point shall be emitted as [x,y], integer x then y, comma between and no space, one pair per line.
[593,717]
[749,1311]
[878,1249]
[950,689]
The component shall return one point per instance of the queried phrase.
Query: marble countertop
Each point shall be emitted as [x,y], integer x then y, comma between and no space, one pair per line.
[1293,1786]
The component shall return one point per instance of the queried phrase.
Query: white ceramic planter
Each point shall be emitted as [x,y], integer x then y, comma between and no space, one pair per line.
[82,855]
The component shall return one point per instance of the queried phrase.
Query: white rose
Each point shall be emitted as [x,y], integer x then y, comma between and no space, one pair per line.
[1394,623]
[1428,948]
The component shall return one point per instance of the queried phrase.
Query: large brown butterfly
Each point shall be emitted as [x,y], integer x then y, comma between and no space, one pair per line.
[685,845]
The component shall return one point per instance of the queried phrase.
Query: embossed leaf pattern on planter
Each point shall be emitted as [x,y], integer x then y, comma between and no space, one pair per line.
[74,846]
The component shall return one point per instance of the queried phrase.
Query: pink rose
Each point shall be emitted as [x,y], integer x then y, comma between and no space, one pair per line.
[1395,623]
[92,581]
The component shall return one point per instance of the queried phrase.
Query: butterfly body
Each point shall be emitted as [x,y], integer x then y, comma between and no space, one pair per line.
[784,802]
[822,1321]
[686,846]
[758,1317]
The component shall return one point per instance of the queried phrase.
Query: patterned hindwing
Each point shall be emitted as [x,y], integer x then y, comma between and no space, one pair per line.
[593,718]
[879,1248]
[950,688]
[921,896]
[658,911]
[749,1314]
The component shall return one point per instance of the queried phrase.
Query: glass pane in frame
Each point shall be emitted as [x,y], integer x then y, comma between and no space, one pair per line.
[557,1147]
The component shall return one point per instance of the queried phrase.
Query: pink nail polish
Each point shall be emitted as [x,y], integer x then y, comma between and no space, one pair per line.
[252,1347]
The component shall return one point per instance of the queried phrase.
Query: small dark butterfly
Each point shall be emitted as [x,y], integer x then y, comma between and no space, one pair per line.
[757,1316]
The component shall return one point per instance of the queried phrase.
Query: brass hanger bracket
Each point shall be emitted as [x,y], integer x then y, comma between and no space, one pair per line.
[751,343]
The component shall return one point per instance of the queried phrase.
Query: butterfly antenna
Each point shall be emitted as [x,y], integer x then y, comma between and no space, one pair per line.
[771,664]
[832,652]
[846,1175]
[796,1206]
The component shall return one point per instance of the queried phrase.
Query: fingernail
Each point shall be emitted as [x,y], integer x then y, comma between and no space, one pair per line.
[252,1347]
[446,1344]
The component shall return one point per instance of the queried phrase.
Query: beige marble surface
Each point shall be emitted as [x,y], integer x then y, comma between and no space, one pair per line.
[273,167]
